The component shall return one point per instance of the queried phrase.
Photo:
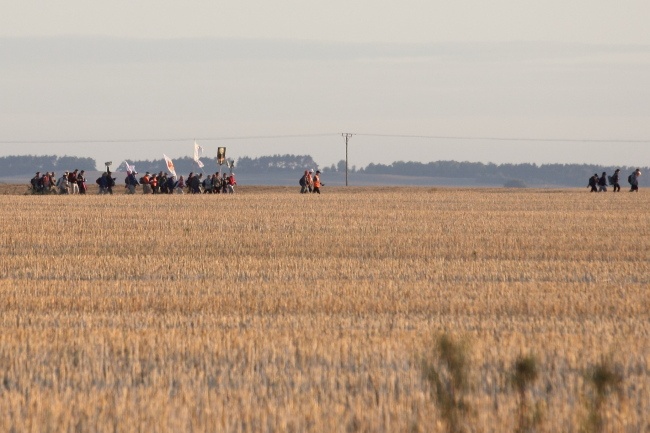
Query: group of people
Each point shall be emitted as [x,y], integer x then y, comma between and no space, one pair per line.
[196,183]
[600,183]
[310,182]
[71,182]
[74,182]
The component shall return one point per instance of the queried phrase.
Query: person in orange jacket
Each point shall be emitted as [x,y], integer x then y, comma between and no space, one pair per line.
[146,187]
[317,183]
[153,181]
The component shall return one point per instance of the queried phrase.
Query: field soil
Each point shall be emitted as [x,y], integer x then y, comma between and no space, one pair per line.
[274,311]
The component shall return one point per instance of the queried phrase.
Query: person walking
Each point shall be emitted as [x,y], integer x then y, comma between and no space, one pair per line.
[110,183]
[153,182]
[634,180]
[35,181]
[216,183]
[310,180]
[72,182]
[616,179]
[207,185]
[593,183]
[316,182]
[81,182]
[146,185]
[47,183]
[194,183]
[63,184]
[162,184]
[224,183]
[602,183]
[170,184]
[231,183]
[102,181]
[131,182]
[303,183]
[180,186]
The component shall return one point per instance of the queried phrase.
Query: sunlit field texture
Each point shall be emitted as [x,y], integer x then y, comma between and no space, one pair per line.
[272,311]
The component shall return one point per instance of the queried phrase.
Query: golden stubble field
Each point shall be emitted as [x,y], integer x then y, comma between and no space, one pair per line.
[273,311]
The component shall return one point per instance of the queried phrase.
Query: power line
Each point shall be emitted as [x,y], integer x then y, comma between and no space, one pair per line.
[450,137]
[165,140]
[273,137]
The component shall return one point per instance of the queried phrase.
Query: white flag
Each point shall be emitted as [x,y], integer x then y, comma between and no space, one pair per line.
[130,168]
[198,152]
[170,165]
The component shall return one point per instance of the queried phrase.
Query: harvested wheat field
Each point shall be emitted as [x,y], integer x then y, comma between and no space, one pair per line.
[272,311]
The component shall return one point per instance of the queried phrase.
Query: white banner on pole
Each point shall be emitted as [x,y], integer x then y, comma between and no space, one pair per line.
[170,165]
[198,152]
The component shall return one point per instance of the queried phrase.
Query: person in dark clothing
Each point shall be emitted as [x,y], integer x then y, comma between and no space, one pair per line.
[131,182]
[224,184]
[615,180]
[216,184]
[602,183]
[103,183]
[110,182]
[35,183]
[593,183]
[160,181]
[634,180]
[194,183]
[81,182]
[171,184]
[72,182]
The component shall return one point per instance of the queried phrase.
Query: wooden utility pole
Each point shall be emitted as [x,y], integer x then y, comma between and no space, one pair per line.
[347,136]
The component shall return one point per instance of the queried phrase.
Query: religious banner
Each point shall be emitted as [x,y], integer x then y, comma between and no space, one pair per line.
[221,155]
[198,151]
[170,165]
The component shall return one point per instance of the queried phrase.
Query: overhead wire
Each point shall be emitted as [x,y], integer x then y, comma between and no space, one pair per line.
[478,138]
[161,140]
[360,134]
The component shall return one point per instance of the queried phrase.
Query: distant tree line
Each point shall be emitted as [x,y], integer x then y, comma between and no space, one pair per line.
[516,175]
[30,164]
[183,166]
[545,174]
[276,163]
[488,174]
[263,164]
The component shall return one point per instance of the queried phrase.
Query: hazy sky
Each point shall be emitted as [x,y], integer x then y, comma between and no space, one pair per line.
[81,72]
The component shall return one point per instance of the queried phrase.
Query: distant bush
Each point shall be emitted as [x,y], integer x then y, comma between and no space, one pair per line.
[515,183]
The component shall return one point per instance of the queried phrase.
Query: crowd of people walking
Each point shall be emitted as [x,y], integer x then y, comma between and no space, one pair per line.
[71,182]
[74,182]
[600,183]
[196,183]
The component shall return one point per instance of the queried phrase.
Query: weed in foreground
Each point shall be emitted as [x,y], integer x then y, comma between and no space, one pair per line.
[525,373]
[604,379]
[447,371]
